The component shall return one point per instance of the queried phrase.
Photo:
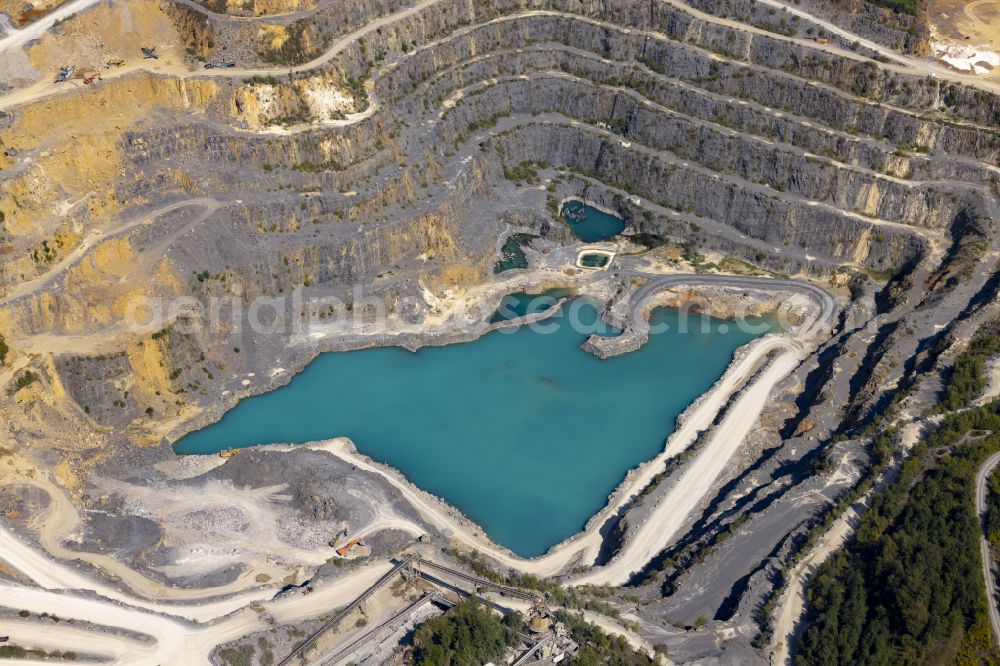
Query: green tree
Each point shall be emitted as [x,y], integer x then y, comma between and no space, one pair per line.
[908,587]
[469,633]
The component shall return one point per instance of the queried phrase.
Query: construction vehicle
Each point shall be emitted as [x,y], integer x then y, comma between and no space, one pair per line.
[337,537]
[219,65]
[116,62]
[87,80]
[65,73]
[149,52]
[227,453]
[347,547]
[817,38]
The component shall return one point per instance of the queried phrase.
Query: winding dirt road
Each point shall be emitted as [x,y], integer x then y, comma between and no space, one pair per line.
[982,476]
[98,236]
[48,88]
[62,518]
[50,575]
[673,511]
[791,605]
[41,26]
[172,640]
[49,636]
[898,62]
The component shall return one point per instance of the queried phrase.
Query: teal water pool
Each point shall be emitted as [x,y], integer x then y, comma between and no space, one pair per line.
[515,306]
[520,429]
[594,260]
[512,253]
[590,224]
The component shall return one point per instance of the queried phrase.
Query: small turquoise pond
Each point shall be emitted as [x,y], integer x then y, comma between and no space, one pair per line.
[513,252]
[594,260]
[521,430]
[590,224]
[515,306]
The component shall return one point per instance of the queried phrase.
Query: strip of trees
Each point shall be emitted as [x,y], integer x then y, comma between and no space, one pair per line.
[908,587]
[967,378]
[469,633]
[472,633]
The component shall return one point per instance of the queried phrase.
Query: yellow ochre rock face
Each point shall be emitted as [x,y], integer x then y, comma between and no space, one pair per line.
[81,160]
[266,7]
[273,37]
[317,98]
[108,31]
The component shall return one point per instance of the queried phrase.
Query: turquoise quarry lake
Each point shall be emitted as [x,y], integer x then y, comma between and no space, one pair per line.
[523,431]
[590,224]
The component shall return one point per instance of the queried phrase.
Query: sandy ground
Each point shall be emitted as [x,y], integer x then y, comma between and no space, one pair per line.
[96,236]
[169,635]
[993,382]
[62,518]
[260,549]
[45,573]
[177,642]
[375,610]
[378,647]
[302,606]
[966,35]
[173,641]
[261,538]
[20,37]
[106,32]
[46,87]
[670,515]
[50,636]
[173,636]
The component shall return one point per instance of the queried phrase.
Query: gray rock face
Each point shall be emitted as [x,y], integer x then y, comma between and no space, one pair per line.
[481,116]
[100,385]
[130,539]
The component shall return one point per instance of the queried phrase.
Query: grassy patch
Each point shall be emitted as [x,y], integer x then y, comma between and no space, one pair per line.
[26,379]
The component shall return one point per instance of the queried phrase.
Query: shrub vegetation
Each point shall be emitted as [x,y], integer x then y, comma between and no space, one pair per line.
[967,379]
[469,633]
